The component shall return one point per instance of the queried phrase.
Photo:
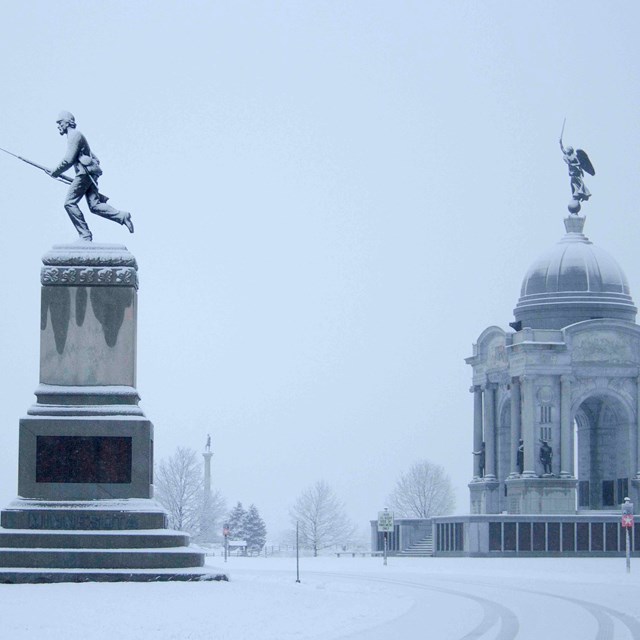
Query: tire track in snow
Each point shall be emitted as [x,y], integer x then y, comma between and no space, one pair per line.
[493,611]
[603,615]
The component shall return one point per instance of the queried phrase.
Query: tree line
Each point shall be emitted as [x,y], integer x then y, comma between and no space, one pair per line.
[319,515]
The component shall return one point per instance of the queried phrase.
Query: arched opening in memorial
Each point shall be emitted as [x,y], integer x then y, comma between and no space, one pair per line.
[602,454]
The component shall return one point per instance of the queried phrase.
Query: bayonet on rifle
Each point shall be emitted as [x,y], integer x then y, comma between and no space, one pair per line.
[64,179]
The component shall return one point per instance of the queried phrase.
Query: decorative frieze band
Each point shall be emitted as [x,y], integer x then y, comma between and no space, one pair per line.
[83,275]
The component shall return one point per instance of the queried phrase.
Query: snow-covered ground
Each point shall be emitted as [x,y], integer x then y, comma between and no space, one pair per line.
[356,598]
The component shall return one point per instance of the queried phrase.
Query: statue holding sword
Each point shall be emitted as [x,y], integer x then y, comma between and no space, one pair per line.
[84,183]
[578,162]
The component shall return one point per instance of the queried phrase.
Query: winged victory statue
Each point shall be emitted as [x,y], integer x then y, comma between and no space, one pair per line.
[578,162]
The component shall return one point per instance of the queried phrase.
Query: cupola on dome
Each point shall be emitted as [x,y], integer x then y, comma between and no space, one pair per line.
[572,282]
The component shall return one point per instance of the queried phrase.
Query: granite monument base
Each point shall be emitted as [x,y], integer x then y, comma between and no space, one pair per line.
[484,495]
[541,495]
[85,468]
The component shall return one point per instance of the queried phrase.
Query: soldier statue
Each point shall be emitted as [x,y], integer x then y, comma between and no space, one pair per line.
[85,182]
[520,456]
[481,459]
[546,455]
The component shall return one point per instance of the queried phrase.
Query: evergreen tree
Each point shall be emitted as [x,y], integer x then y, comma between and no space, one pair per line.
[236,522]
[255,530]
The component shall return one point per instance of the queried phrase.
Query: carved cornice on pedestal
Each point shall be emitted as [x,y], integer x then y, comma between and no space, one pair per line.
[89,264]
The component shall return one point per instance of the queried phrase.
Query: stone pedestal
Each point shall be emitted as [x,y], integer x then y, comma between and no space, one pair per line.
[485,497]
[85,469]
[541,495]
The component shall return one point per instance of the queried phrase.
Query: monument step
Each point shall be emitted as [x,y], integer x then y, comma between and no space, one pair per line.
[420,549]
[55,539]
[45,576]
[81,519]
[179,557]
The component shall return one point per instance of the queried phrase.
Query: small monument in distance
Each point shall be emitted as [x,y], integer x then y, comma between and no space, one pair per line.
[85,509]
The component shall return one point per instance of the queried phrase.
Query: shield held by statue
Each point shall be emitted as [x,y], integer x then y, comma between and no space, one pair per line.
[585,163]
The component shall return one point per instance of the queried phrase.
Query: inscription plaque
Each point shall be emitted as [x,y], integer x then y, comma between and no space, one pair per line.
[83,459]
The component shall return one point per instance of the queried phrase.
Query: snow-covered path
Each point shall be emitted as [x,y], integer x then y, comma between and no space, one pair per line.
[354,598]
[504,609]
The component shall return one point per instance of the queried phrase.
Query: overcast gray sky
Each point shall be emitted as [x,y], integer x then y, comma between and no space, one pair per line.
[332,201]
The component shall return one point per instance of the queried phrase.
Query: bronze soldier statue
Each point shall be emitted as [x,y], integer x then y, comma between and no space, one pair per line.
[85,182]
[481,458]
[520,456]
[546,455]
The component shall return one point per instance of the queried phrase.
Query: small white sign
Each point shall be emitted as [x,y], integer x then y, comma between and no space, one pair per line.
[385,521]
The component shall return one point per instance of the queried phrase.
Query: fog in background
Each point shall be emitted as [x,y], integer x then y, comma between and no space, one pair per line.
[332,201]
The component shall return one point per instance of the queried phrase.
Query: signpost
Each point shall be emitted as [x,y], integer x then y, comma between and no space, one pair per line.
[385,526]
[297,552]
[225,533]
[627,525]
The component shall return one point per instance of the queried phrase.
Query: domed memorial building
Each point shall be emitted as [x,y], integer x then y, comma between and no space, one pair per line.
[556,413]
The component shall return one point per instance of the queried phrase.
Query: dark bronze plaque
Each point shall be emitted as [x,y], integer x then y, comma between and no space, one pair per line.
[94,459]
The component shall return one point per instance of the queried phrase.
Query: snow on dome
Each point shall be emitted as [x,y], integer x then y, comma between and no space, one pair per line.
[571,282]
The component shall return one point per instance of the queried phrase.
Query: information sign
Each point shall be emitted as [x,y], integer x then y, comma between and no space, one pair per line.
[385,521]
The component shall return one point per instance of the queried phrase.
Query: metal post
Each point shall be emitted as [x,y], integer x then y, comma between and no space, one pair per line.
[385,548]
[627,523]
[225,532]
[628,536]
[297,552]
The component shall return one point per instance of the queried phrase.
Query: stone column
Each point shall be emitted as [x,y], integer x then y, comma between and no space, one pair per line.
[207,455]
[638,432]
[566,450]
[516,424]
[528,428]
[206,531]
[477,428]
[490,431]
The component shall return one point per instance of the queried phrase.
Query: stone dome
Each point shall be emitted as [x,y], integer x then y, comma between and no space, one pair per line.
[572,282]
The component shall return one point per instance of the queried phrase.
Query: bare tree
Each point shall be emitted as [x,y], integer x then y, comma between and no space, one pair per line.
[180,490]
[425,490]
[321,518]
[213,509]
